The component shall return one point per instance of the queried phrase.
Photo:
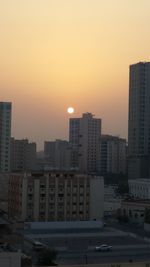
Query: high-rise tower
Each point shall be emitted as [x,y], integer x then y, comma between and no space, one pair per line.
[5,134]
[139,121]
[84,137]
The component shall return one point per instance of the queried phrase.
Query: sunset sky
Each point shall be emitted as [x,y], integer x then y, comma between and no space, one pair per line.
[60,53]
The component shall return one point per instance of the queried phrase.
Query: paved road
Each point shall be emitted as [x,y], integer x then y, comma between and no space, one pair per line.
[125,254]
[129,227]
[83,244]
[103,257]
[80,249]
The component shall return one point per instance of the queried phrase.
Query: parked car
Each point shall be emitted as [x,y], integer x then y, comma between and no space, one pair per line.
[103,248]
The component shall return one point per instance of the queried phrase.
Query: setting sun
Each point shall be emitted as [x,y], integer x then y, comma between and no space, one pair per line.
[70,110]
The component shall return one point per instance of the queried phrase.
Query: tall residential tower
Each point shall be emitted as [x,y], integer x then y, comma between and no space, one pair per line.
[5,134]
[84,137]
[113,155]
[139,121]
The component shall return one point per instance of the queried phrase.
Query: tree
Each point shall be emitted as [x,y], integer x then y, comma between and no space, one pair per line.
[47,257]
[122,217]
[147,216]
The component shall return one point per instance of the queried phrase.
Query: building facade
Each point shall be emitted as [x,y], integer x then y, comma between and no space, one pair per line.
[113,155]
[134,209]
[55,196]
[140,188]
[5,134]
[139,121]
[10,259]
[84,137]
[57,154]
[111,202]
[4,180]
[23,155]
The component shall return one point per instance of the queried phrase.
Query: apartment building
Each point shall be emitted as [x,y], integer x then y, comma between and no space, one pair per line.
[55,196]
[23,155]
[5,134]
[139,121]
[57,154]
[113,155]
[84,137]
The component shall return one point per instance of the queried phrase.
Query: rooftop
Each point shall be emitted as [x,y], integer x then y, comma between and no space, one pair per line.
[137,200]
[140,180]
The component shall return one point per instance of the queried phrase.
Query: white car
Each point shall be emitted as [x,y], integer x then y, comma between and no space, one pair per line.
[103,248]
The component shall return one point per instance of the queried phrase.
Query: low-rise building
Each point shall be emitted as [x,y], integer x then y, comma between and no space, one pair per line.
[111,206]
[140,188]
[111,202]
[10,259]
[134,209]
[55,196]
[110,191]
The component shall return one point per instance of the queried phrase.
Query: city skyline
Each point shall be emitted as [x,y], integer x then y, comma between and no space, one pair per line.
[69,53]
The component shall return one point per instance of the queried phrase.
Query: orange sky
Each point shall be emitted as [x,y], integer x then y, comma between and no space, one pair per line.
[60,53]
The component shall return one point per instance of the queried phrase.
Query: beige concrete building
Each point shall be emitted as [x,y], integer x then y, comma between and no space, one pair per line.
[56,196]
[84,137]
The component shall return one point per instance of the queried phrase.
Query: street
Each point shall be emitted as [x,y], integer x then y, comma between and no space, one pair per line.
[89,257]
[80,248]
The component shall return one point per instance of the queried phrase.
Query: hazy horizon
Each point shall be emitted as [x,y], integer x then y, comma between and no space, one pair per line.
[56,54]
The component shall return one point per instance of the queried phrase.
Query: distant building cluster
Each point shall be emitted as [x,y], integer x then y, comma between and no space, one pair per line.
[63,183]
[86,151]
